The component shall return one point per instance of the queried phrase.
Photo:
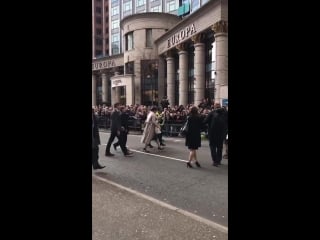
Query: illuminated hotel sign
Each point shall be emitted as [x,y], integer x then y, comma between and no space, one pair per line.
[103,64]
[180,36]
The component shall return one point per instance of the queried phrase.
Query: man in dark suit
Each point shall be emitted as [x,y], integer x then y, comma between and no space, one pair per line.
[115,128]
[95,143]
[124,130]
[217,121]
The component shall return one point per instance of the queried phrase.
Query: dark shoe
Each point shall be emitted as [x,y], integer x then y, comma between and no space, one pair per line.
[109,154]
[189,165]
[162,144]
[225,156]
[150,146]
[215,164]
[145,150]
[98,167]
[115,147]
[160,148]
[128,154]
[198,164]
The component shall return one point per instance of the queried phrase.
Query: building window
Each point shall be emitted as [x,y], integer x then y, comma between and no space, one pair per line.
[155,9]
[148,37]
[98,9]
[115,43]
[115,38]
[115,24]
[171,6]
[140,2]
[115,48]
[195,5]
[149,82]
[129,41]
[115,1]
[98,31]
[98,20]
[127,6]
[115,10]
[98,41]
[98,53]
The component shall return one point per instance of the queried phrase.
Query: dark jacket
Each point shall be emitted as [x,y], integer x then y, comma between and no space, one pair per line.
[193,136]
[115,121]
[217,121]
[95,132]
[124,119]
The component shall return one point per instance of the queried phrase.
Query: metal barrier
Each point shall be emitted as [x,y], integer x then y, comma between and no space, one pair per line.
[104,122]
[171,130]
[133,123]
[136,124]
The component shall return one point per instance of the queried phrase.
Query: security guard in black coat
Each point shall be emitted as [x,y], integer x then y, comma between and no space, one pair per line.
[95,143]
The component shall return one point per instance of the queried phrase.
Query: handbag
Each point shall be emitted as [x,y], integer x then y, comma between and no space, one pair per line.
[157,130]
[185,128]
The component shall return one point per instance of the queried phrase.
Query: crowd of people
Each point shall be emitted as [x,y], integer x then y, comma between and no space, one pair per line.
[170,117]
[208,117]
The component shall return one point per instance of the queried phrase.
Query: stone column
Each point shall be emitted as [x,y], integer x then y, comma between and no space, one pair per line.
[199,68]
[183,74]
[221,81]
[170,78]
[94,90]
[104,88]
[137,82]
[161,78]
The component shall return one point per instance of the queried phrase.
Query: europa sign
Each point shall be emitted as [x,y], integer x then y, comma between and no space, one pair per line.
[103,64]
[180,36]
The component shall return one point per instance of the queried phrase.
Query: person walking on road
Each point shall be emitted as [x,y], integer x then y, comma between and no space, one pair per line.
[217,130]
[115,128]
[124,130]
[95,143]
[149,129]
[193,135]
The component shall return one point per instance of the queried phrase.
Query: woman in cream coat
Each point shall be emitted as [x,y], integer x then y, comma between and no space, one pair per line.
[149,129]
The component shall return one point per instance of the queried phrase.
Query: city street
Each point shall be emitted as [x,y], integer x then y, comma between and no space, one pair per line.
[161,182]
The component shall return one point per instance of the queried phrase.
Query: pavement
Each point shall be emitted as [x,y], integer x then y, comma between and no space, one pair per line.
[120,213]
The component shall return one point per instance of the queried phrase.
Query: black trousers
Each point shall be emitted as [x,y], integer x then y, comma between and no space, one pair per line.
[216,146]
[95,156]
[111,139]
[122,140]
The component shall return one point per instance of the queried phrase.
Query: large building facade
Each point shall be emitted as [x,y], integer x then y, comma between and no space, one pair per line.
[100,28]
[154,53]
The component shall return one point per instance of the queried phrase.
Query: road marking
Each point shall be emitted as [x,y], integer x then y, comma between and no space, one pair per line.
[156,155]
[176,159]
[166,205]
[164,138]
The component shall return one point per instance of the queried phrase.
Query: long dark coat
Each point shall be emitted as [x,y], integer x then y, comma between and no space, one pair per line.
[95,132]
[193,137]
[115,121]
[217,121]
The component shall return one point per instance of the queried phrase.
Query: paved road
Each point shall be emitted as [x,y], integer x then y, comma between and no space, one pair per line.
[119,214]
[163,175]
